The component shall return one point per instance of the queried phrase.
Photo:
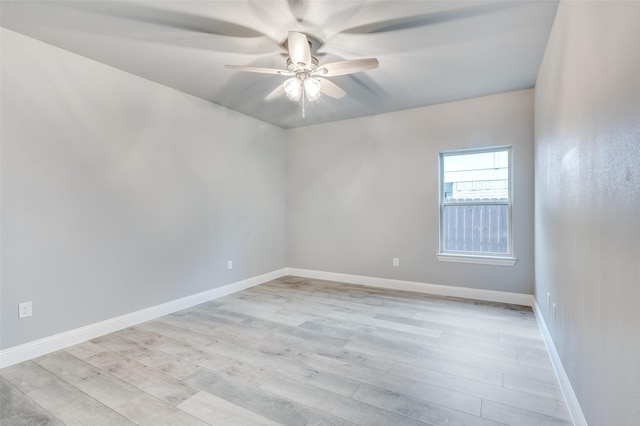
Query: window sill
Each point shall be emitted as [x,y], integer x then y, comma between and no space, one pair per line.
[481,260]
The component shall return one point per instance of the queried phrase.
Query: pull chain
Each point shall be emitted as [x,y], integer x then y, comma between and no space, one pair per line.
[303,96]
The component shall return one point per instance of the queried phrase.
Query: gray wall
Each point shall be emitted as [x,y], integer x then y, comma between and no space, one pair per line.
[119,194]
[363,191]
[587,216]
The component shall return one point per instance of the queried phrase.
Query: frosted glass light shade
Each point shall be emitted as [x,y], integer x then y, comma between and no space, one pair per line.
[293,88]
[312,88]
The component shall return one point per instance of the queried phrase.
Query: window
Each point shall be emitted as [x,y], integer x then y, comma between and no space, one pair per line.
[475,206]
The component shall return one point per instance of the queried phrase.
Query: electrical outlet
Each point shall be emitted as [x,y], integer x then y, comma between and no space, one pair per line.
[229,264]
[396,261]
[554,311]
[25,310]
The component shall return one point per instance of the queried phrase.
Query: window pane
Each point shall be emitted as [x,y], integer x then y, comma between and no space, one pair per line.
[478,176]
[476,228]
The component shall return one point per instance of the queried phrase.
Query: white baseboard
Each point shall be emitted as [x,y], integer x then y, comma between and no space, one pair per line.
[436,289]
[63,340]
[565,385]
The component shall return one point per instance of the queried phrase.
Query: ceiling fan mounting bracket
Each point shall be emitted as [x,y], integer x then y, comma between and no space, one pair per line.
[315,43]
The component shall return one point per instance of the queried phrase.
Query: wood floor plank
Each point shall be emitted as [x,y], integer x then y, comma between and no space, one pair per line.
[367,333]
[149,411]
[469,359]
[17,409]
[271,357]
[85,350]
[415,408]
[256,333]
[111,391]
[251,310]
[301,351]
[536,387]
[161,386]
[517,416]
[483,375]
[281,410]
[516,398]
[27,376]
[216,410]
[73,407]
[345,408]
[424,391]
[165,363]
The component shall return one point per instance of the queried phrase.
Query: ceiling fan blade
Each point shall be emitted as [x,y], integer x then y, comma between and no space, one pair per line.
[431,18]
[150,14]
[331,89]
[258,69]
[278,91]
[299,51]
[347,67]
[213,43]
[298,8]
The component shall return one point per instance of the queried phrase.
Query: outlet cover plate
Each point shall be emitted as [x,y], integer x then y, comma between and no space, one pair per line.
[25,310]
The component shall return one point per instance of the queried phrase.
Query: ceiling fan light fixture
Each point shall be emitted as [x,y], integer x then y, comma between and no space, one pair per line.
[293,89]
[307,81]
[312,87]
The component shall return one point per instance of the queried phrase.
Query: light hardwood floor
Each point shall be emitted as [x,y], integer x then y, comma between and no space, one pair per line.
[297,351]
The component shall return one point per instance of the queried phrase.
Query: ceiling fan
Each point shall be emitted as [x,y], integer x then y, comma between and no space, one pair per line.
[306,75]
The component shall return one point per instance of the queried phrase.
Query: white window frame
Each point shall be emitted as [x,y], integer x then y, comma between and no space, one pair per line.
[500,259]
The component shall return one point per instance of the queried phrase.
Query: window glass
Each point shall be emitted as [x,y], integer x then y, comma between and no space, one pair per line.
[476,176]
[475,208]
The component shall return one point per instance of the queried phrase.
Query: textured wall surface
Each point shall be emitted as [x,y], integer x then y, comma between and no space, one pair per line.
[120,194]
[364,191]
[587,216]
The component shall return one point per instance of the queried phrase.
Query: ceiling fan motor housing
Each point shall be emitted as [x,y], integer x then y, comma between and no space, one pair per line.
[302,68]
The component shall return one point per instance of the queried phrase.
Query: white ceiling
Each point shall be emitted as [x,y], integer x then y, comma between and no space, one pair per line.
[429,51]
